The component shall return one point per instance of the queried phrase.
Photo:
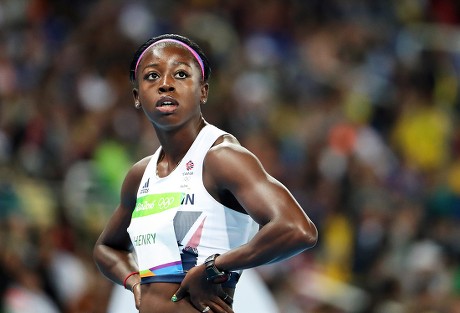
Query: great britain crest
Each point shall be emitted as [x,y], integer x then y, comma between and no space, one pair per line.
[189,165]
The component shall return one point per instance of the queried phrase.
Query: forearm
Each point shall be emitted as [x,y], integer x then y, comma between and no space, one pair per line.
[273,243]
[115,264]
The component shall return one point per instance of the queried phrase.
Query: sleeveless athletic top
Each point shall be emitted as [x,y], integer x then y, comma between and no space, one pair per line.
[177,224]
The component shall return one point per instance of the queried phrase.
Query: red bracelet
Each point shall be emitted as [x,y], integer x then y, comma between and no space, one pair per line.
[129,275]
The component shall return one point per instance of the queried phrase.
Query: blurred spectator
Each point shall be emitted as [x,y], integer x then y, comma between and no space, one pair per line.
[352,104]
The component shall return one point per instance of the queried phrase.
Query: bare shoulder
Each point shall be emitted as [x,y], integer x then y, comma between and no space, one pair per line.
[137,170]
[132,181]
[139,166]
[228,161]
[227,149]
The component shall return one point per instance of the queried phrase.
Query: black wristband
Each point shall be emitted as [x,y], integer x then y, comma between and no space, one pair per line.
[213,274]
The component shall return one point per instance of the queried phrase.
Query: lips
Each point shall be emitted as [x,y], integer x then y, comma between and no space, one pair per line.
[167,101]
[167,104]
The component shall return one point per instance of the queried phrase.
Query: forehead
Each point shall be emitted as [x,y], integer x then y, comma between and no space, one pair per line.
[167,51]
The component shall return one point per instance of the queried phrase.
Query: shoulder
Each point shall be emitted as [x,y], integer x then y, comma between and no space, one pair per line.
[228,160]
[132,181]
[227,148]
[137,170]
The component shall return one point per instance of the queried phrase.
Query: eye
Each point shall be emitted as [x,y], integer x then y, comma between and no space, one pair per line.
[151,76]
[181,74]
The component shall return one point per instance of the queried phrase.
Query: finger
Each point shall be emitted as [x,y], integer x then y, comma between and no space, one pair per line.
[227,299]
[220,307]
[137,300]
[137,295]
[180,294]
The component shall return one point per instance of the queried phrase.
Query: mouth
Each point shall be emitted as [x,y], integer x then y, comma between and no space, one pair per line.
[167,105]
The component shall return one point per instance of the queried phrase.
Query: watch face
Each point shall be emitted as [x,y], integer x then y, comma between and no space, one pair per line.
[222,278]
[211,258]
[215,276]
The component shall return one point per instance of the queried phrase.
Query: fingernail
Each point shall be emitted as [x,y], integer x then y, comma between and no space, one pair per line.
[174,298]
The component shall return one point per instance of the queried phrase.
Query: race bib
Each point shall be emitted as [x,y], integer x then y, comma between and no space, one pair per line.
[155,239]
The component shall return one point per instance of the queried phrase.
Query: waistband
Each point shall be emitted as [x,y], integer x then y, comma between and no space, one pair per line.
[177,279]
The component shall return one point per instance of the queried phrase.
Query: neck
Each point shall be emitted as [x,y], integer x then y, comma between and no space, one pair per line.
[175,145]
[177,141]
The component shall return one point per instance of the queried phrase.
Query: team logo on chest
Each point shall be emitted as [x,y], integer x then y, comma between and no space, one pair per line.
[189,167]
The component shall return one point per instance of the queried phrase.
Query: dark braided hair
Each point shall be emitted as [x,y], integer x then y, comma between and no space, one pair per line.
[185,40]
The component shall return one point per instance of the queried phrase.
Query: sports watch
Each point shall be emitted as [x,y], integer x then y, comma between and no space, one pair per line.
[213,274]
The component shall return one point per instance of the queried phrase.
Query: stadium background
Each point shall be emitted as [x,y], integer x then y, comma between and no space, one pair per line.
[354,105]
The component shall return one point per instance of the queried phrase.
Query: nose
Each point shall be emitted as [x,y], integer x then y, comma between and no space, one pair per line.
[166,86]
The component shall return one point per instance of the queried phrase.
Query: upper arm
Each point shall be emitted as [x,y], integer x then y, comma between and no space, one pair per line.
[234,168]
[115,232]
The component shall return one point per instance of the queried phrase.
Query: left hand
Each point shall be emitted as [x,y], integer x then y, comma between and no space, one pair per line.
[137,295]
[203,293]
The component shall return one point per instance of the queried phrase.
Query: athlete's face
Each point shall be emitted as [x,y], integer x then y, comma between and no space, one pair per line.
[170,87]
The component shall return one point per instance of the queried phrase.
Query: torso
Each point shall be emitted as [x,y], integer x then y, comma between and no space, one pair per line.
[192,222]
[156,298]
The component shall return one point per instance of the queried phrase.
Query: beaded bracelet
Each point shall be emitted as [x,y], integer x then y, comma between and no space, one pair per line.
[126,279]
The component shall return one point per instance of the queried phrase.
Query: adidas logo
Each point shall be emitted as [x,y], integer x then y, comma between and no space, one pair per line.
[145,187]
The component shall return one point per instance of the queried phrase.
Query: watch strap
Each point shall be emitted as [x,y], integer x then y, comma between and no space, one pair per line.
[213,274]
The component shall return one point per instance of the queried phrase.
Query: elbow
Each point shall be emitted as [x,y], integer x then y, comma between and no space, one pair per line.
[98,254]
[312,235]
[102,258]
[308,235]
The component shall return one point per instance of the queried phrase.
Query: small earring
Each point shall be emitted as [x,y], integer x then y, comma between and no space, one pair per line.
[137,105]
[203,101]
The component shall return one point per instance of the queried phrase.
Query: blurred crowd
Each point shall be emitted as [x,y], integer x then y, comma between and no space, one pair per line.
[353,105]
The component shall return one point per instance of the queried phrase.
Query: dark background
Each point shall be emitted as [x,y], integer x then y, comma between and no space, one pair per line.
[353,105]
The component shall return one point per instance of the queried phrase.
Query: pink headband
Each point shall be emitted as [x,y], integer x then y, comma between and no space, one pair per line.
[197,57]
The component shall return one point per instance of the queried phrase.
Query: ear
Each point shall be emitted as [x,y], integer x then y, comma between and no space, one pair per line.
[137,103]
[204,93]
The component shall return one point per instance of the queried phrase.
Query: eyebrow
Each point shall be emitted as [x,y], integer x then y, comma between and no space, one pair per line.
[154,65]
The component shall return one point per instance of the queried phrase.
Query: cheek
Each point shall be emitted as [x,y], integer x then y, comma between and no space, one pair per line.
[147,92]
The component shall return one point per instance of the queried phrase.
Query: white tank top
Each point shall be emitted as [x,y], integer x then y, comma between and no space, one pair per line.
[176,223]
